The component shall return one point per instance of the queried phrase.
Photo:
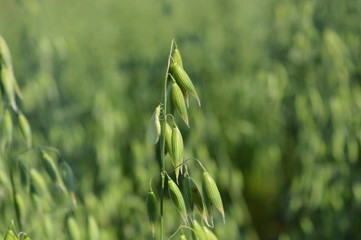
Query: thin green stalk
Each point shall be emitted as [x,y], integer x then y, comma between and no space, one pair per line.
[162,145]
[161,206]
[181,228]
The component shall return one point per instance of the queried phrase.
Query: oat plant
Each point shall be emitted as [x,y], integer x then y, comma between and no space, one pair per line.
[195,206]
[34,179]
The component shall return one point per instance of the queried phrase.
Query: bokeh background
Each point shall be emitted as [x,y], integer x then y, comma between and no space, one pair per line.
[279,128]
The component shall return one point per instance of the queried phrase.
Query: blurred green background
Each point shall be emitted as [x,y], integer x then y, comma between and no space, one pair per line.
[279,128]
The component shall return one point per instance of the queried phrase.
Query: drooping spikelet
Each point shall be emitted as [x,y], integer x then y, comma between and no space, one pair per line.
[25,129]
[211,194]
[177,199]
[179,102]
[183,79]
[168,139]
[8,83]
[192,197]
[68,179]
[38,183]
[5,56]
[177,57]
[50,167]
[68,176]
[152,210]
[177,150]
[154,128]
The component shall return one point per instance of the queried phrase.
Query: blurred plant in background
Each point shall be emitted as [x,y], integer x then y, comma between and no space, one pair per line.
[279,128]
[27,193]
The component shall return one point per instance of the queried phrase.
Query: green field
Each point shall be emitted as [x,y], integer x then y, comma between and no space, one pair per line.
[279,128]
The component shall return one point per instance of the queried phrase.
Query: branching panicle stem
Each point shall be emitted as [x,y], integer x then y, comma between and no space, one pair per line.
[180,229]
[162,144]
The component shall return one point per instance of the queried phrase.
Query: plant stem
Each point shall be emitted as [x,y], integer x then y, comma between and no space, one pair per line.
[161,206]
[162,145]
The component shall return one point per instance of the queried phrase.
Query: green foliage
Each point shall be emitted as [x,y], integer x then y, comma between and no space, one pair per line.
[279,126]
[27,195]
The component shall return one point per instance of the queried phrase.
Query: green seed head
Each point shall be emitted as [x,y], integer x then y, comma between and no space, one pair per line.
[5,56]
[193,197]
[152,211]
[50,166]
[187,193]
[154,128]
[208,208]
[179,103]
[183,79]
[211,193]
[38,183]
[177,150]
[8,83]
[25,129]
[68,177]
[177,199]
[168,139]
[177,57]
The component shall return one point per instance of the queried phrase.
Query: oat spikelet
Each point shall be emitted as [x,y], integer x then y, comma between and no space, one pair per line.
[177,150]
[212,194]
[177,199]
[179,102]
[152,211]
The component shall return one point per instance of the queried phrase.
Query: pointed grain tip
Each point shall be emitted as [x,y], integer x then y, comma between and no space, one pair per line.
[224,218]
[198,100]
[186,120]
[177,175]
